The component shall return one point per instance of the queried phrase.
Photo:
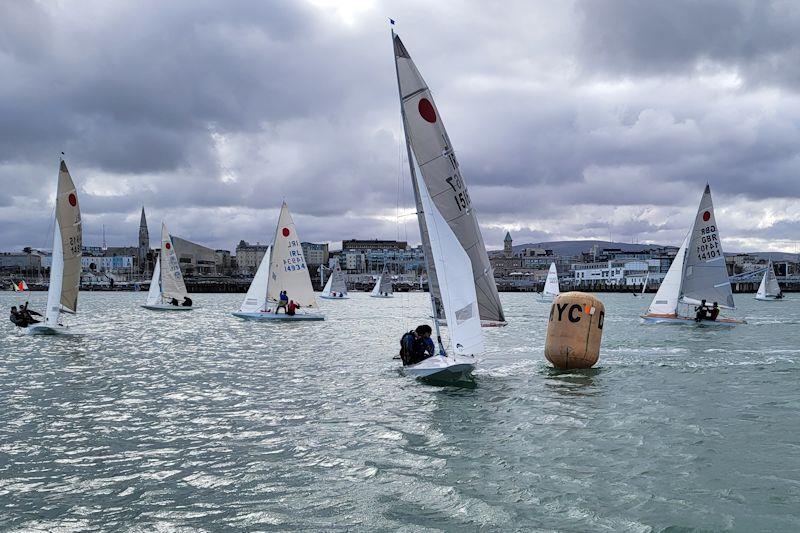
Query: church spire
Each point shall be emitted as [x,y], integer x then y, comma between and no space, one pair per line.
[144,243]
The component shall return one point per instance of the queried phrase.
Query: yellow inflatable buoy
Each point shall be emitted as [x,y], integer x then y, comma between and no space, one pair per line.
[574,330]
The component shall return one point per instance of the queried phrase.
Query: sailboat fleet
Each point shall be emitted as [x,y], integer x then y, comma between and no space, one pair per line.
[463,294]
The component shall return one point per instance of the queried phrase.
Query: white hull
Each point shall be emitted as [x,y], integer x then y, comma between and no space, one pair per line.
[298,317]
[326,297]
[440,368]
[768,299]
[41,329]
[547,297]
[687,321]
[166,307]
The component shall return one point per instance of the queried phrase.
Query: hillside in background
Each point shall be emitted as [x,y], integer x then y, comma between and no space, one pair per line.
[573,248]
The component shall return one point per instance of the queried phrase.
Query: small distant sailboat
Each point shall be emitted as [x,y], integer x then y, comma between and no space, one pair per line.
[65,270]
[283,268]
[551,289]
[697,273]
[20,286]
[336,287]
[167,284]
[769,290]
[449,260]
[383,287]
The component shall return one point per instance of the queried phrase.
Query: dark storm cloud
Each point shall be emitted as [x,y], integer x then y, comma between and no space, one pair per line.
[570,119]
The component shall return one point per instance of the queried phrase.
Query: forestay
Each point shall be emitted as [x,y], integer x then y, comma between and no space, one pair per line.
[705,276]
[288,270]
[256,298]
[551,284]
[172,285]
[442,177]
[455,281]
[668,294]
[65,271]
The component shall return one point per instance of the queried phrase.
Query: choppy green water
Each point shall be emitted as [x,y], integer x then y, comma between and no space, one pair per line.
[205,422]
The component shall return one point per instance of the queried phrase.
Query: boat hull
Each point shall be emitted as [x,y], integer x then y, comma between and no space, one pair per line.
[42,329]
[768,299]
[380,296]
[442,369]
[279,317]
[324,297]
[687,321]
[166,307]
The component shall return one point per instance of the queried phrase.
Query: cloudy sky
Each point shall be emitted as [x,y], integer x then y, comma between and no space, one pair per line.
[572,119]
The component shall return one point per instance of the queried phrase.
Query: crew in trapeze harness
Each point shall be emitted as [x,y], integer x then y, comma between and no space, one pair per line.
[417,345]
[23,317]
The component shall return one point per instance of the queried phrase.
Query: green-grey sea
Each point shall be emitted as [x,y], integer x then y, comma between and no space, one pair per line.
[203,422]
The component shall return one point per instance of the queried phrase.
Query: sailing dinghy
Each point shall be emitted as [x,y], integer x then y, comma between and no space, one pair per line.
[697,273]
[769,290]
[336,287]
[65,270]
[428,139]
[167,284]
[283,268]
[551,289]
[446,220]
[383,287]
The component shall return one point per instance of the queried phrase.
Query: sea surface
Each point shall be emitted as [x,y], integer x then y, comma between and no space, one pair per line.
[203,422]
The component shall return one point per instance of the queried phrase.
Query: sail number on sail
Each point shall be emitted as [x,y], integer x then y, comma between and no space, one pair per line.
[295,261]
[75,244]
[455,181]
[709,247]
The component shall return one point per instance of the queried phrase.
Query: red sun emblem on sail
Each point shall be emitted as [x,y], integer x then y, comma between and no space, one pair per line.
[426,110]
[706,216]
[285,232]
[73,200]
[167,245]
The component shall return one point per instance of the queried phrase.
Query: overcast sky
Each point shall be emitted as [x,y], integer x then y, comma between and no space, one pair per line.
[571,119]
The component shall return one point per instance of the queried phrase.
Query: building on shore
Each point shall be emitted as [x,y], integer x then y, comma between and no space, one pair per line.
[370,256]
[195,259]
[249,256]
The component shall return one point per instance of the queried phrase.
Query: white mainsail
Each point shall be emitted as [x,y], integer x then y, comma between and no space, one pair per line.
[666,299]
[456,282]
[705,276]
[384,284]
[336,282]
[65,270]
[172,285]
[769,287]
[154,294]
[551,289]
[433,151]
[256,298]
[287,268]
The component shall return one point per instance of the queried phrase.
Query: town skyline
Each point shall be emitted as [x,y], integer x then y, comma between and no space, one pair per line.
[210,115]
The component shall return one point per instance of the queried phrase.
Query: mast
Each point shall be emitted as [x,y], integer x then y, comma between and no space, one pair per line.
[418,203]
